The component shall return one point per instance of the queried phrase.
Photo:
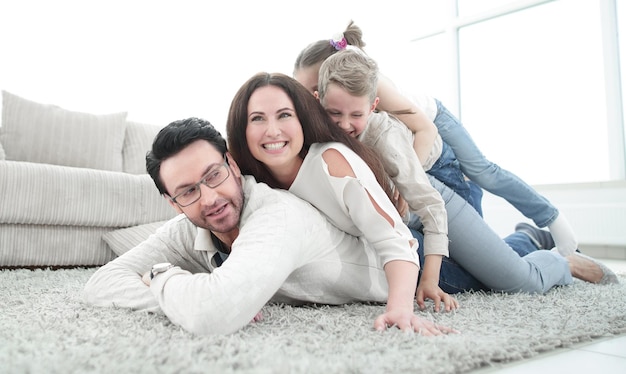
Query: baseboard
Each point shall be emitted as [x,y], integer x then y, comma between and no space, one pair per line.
[604,251]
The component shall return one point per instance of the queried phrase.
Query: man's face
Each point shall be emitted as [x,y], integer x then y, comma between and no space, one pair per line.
[218,209]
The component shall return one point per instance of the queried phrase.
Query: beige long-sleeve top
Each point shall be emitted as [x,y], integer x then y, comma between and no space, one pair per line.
[393,142]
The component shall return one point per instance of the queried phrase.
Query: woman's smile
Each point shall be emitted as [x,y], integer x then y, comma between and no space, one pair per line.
[275,145]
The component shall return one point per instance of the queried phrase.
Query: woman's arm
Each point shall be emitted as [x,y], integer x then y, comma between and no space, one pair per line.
[381,226]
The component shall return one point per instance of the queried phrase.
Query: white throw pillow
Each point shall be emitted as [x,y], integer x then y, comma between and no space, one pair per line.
[122,240]
[138,142]
[49,134]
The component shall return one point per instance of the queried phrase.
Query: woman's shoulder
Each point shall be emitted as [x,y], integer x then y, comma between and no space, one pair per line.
[322,150]
[318,148]
[339,159]
[334,150]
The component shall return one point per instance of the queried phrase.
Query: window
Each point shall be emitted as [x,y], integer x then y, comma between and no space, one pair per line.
[533,86]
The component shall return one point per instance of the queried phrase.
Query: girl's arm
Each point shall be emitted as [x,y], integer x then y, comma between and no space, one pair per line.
[392,101]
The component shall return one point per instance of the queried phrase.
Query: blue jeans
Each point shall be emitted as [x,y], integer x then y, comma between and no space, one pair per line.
[480,260]
[477,197]
[490,176]
[454,279]
[448,170]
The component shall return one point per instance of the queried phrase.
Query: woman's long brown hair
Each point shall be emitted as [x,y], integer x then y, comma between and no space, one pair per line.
[317,127]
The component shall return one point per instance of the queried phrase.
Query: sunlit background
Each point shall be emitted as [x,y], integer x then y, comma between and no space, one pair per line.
[537,83]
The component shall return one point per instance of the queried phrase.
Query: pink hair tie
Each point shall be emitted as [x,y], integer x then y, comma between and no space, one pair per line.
[338,42]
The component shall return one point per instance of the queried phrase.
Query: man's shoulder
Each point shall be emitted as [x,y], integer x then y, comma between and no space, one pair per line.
[177,227]
[178,221]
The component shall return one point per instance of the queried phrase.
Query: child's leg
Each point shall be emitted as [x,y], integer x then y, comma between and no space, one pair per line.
[563,235]
[452,277]
[447,170]
[503,183]
[477,196]
[480,251]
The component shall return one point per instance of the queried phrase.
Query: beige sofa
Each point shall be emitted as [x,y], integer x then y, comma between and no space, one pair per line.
[73,186]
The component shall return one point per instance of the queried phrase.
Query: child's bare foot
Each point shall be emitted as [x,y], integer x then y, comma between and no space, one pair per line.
[586,268]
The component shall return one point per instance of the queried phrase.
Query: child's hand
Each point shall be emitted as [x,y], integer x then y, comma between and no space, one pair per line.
[425,290]
[401,205]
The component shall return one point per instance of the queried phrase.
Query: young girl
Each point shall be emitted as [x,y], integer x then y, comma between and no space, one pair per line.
[279,133]
[473,163]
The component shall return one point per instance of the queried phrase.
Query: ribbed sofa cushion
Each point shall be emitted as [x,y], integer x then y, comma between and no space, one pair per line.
[138,142]
[45,194]
[45,245]
[49,134]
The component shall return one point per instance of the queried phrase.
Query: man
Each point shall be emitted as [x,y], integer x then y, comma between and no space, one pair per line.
[278,247]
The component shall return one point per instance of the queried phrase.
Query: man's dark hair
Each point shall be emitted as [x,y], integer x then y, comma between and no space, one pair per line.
[175,137]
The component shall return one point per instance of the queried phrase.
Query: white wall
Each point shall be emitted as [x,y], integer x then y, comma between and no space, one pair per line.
[596,212]
[165,60]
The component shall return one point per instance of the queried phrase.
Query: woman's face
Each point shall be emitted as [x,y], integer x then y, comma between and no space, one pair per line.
[273,132]
[308,77]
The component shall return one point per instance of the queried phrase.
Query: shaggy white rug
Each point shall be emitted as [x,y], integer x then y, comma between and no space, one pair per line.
[46,327]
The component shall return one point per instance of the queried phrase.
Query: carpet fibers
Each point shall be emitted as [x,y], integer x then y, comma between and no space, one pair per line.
[46,327]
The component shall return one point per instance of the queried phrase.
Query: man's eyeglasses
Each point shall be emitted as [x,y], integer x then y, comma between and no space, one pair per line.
[212,179]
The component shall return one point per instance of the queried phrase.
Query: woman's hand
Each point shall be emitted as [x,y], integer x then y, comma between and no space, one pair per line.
[408,321]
